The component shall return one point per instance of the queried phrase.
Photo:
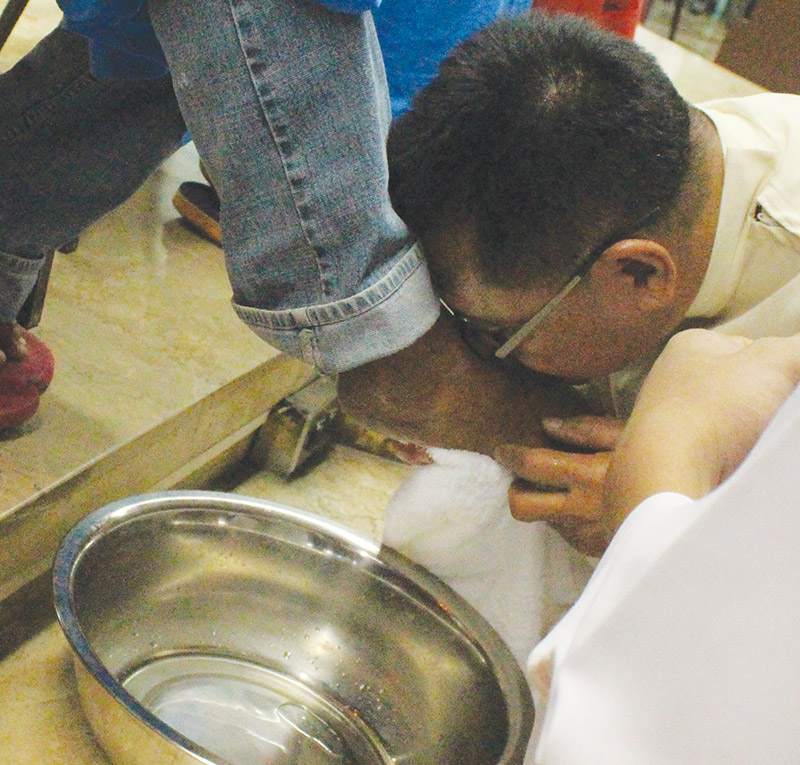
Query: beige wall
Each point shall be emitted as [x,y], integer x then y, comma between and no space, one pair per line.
[764,48]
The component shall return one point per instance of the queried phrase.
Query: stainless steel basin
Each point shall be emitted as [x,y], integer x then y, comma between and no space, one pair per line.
[215,628]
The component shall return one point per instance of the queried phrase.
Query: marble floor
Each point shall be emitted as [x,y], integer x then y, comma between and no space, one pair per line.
[156,377]
[39,18]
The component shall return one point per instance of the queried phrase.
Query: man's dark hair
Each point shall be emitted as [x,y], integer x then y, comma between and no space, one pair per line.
[545,134]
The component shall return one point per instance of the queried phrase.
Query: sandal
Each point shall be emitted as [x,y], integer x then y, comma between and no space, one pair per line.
[35,367]
[18,402]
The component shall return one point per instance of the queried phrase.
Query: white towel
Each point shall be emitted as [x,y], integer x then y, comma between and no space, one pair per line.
[453,518]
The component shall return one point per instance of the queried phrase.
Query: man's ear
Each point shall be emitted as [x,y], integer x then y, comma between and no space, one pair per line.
[644,270]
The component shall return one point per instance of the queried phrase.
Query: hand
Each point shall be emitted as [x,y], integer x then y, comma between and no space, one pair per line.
[701,409]
[565,488]
[439,393]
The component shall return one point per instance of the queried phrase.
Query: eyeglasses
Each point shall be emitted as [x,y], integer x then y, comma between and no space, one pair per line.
[488,343]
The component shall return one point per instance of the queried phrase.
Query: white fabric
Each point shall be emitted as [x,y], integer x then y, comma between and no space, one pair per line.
[752,284]
[753,279]
[683,648]
[453,518]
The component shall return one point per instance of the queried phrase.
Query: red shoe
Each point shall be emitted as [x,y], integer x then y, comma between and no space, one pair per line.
[24,374]
[18,402]
[35,367]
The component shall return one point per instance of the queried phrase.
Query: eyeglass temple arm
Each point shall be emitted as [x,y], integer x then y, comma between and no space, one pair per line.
[527,329]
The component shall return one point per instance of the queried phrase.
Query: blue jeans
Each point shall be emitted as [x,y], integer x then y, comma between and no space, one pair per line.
[287,103]
[320,264]
[71,149]
[288,108]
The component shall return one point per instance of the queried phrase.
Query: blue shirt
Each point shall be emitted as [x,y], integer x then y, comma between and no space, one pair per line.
[415,35]
[122,43]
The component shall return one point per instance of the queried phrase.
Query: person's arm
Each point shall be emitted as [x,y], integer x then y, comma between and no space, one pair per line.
[690,588]
[563,485]
[687,432]
[698,414]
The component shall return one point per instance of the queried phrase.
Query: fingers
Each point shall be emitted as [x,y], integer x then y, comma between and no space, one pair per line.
[551,468]
[579,521]
[563,489]
[529,502]
[552,484]
[584,431]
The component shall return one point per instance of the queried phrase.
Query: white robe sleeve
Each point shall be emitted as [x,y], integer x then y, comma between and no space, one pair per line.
[685,645]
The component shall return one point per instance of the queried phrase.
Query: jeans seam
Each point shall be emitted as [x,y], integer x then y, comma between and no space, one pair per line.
[20,265]
[34,115]
[268,104]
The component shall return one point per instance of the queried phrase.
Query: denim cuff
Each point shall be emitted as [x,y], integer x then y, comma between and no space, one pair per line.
[382,319]
[17,277]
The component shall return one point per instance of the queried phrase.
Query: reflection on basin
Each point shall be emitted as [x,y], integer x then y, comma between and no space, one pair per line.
[219,629]
[240,710]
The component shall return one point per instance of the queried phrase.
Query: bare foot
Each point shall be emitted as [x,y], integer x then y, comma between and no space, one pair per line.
[438,393]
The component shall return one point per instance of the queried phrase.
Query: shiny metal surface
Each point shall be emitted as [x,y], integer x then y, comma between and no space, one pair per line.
[214,628]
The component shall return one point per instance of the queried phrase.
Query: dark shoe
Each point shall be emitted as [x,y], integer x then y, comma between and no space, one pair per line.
[198,205]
